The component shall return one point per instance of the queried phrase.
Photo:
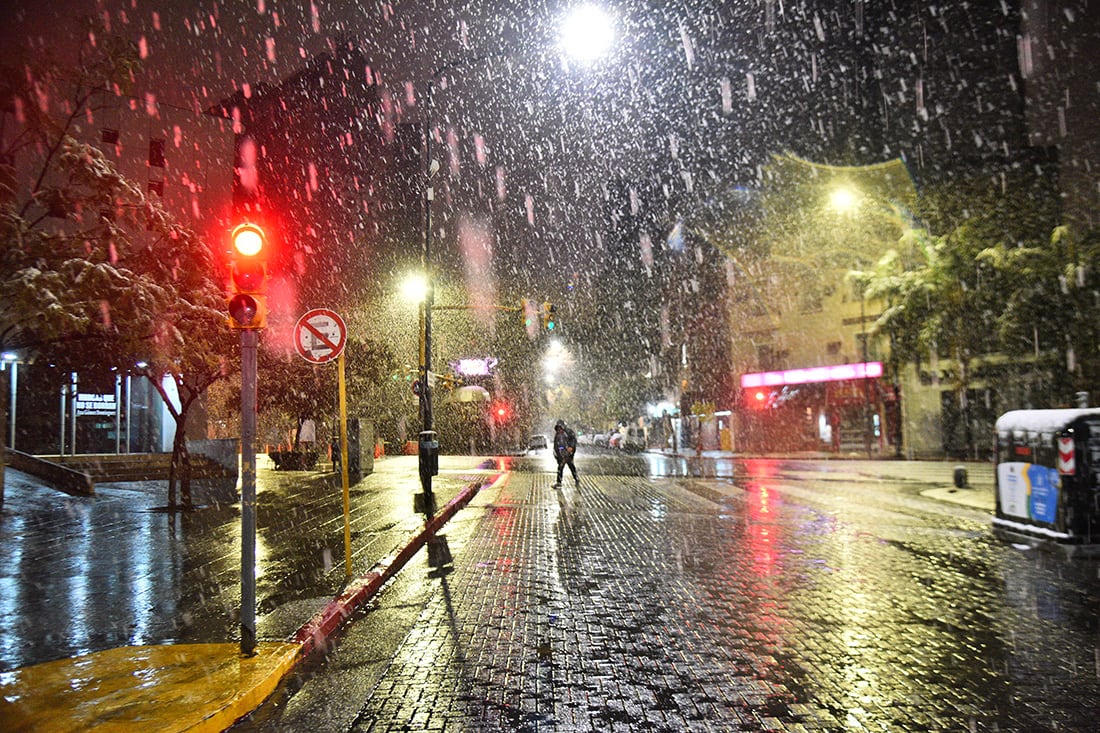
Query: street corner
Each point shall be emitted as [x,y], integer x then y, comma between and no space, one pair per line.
[979,497]
[185,687]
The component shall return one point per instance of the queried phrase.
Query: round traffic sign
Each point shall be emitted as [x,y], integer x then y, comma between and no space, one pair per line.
[320,335]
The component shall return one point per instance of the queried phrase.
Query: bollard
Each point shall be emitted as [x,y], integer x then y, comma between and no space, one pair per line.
[960,477]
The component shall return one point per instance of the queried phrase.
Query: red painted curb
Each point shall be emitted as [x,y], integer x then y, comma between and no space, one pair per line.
[330,618]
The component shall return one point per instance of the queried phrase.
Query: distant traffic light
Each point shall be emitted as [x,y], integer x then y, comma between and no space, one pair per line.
[247,300]
[530,316]
[549,321]
[760,399]
[501,412]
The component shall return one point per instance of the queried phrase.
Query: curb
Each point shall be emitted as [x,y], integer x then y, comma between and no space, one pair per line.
[336,612]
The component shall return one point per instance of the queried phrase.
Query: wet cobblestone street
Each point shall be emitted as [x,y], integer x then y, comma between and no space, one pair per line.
[769,602]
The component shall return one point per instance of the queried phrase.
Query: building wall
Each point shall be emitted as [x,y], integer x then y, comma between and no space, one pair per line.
[922,435]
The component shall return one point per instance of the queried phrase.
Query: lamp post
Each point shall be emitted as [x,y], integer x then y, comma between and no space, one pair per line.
[845,201]
[428,443]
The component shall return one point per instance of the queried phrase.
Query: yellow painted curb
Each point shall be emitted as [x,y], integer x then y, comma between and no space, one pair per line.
[184,687]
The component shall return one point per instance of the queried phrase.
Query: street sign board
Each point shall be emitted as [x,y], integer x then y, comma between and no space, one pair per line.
[320,335]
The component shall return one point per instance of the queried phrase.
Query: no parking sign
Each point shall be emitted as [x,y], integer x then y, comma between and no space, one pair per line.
[320,335]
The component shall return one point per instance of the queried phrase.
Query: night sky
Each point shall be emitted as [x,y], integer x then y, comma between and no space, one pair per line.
[693,100]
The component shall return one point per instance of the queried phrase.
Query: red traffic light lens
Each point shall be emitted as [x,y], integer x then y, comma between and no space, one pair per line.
[243,309]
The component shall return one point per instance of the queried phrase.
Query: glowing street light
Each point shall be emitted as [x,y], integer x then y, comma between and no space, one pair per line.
[843,199]
[414,288]
[586,34]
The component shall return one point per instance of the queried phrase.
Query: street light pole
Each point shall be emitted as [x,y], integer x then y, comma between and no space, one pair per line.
[428,444]
[868,424]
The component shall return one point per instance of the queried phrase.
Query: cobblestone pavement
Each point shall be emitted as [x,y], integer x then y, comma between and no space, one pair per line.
[765,602]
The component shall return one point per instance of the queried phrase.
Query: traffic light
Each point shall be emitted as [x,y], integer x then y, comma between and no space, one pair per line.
[501,412]
[549,321]
[530,317]
[248,278]
[760,399]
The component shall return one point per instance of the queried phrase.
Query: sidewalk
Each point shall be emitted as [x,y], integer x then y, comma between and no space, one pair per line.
[934,479]
[99,584]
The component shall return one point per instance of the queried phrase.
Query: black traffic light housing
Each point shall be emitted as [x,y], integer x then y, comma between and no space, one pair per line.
[549,313]
[247,300]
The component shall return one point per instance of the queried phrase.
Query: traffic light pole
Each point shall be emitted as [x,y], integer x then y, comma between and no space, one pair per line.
[249,337]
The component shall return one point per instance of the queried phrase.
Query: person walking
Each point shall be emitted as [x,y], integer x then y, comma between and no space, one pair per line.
[565,447]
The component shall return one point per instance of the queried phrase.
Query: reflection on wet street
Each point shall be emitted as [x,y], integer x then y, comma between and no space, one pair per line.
[661,593]
[84,574]
[789,595]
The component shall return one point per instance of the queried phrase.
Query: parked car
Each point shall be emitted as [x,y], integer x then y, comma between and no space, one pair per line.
[538,442]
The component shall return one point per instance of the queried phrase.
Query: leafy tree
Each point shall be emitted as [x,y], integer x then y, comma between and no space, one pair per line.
[190,343]
[986,286]
[935,301]
[1052,312]
[292,390]
[88,260]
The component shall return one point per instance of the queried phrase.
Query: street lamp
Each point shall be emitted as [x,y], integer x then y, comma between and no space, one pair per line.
[845,201]
[414,289]
[586,34]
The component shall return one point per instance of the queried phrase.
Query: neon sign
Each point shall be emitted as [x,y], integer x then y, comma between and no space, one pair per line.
[811,375]
[474,367]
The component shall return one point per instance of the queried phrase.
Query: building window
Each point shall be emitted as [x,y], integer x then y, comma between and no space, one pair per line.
[156,187]
[109,136]
[770,358]
[866,347]
[156,153]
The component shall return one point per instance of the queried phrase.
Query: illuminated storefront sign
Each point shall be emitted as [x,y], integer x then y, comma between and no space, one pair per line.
[474,367]
[813,375]
[95,404]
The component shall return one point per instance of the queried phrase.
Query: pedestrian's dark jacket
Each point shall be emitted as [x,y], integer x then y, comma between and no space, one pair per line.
[565,444]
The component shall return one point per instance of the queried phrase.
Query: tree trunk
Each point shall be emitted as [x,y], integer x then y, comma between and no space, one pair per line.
[181,459]
[181,462]
[172,481]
